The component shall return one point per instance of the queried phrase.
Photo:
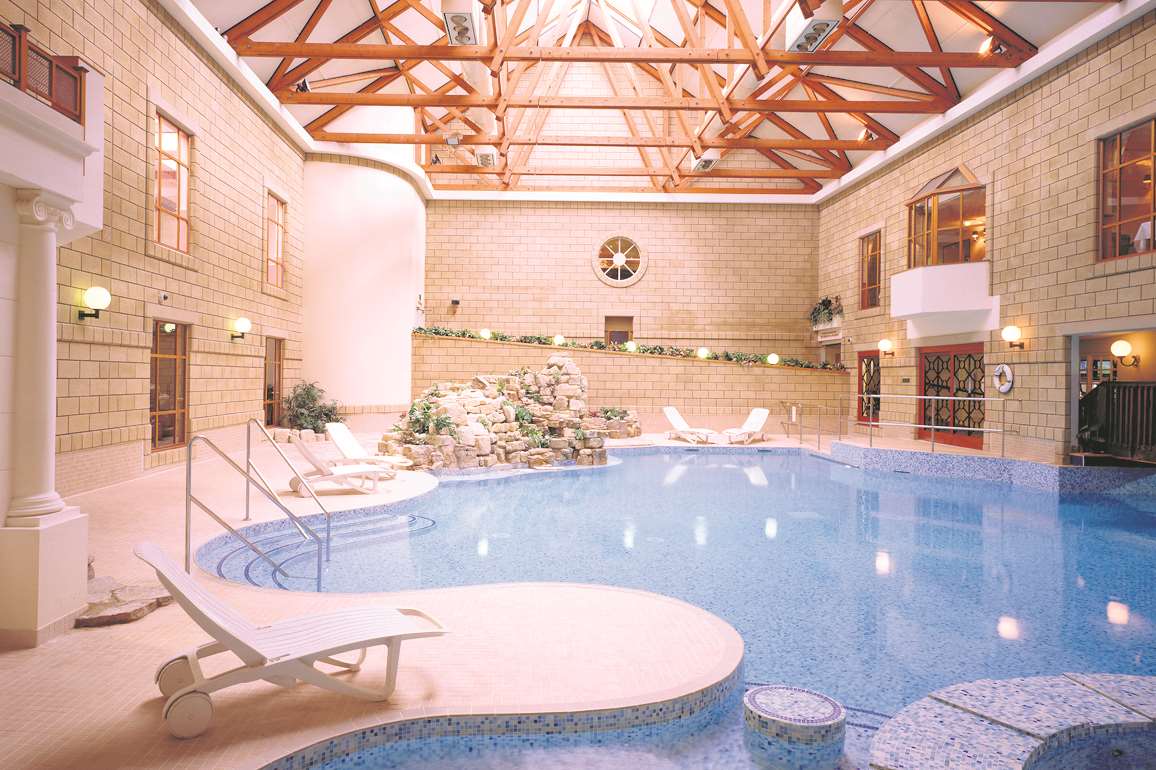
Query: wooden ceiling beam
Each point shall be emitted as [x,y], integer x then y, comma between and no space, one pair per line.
[345,49]
[259,19]
[619,171]
[302,37]
[548,102]
[968,10]
[605,141]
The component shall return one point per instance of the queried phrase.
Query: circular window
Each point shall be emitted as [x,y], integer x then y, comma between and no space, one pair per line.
[619,261]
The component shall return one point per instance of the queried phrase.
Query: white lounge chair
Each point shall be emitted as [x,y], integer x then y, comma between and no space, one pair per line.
[751,428]
[683,430]
[352,450]
[362,477]
[280,653]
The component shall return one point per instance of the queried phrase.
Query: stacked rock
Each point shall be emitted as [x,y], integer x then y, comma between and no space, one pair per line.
[536,419]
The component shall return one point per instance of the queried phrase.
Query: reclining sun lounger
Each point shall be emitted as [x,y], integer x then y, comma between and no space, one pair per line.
[352,450]
[682,429]
[348,476]
[751,428]
[280,653]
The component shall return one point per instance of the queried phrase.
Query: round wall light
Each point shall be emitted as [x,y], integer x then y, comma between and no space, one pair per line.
[241,327]
[886,347]
[631,346]
[703,353]
[1012,335]
[96,299]
[559,339]
[773,359]
[485,334]
[1122,349]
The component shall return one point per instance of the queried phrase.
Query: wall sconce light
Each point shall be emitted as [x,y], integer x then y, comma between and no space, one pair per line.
[703,353]
[241,327]
[1011,335]
[773,359]
[96,299]
[1122,349]
[559,339]
[886,347]
[485,334]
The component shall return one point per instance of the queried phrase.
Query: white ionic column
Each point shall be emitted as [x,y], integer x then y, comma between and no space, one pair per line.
[33,439]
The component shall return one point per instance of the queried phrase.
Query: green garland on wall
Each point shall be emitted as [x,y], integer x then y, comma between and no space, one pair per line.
[746,359]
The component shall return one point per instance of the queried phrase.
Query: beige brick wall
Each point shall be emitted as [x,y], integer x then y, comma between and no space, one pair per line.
[1036,152]
[645,383]
[102,427]
[738,277]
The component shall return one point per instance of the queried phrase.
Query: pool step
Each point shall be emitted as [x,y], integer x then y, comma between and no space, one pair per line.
[1011,723]
[297,556]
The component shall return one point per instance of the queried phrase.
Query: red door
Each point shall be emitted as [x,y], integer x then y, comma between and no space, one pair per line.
[869,387]
[952,371]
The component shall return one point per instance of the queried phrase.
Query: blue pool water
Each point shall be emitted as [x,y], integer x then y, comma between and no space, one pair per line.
[872,587]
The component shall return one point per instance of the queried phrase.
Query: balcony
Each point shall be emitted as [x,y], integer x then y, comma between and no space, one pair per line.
[58,81]
[942,300]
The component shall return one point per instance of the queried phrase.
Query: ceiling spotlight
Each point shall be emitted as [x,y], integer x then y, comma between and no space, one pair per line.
[453,140]
[867,135]
[991,45]
[302,87]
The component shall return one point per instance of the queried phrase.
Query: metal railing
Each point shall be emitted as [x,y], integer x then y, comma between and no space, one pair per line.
[191,500]
[58,81]
[877,407]
[302,481]
[793,416]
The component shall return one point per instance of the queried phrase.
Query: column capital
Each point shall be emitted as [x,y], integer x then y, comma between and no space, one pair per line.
[35,208]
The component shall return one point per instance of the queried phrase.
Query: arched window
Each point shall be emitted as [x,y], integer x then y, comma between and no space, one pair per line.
[947,221]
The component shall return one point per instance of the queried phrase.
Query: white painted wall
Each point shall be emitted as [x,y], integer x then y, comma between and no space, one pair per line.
[364,272]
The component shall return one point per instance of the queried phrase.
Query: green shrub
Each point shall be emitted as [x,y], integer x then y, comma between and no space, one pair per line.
[305,407]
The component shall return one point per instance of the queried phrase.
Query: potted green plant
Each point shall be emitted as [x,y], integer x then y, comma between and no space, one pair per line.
[827,313]
[306,407]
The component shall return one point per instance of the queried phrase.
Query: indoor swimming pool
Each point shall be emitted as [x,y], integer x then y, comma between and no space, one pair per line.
[875,588]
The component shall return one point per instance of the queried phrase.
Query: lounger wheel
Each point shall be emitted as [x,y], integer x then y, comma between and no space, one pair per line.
[189,715]
[174,675]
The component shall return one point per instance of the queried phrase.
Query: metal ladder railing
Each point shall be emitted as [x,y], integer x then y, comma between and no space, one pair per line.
[253,477]
[301,480]
[876,401]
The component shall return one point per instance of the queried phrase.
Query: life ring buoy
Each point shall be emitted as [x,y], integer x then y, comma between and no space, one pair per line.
[1003,380]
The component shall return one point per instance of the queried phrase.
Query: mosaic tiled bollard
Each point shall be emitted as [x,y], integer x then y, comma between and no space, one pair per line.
[793,729]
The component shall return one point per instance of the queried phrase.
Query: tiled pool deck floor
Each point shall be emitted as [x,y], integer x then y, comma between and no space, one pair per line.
[87,700]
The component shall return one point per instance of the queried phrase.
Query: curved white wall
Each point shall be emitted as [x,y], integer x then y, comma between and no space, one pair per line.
[364,271]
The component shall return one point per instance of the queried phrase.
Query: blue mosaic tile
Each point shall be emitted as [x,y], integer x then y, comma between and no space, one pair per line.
[930,735]
[1136,692]
[1038,706]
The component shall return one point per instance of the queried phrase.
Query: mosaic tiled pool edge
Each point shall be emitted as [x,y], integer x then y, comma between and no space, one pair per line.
[1027,722]
[1062,479]
[656,714]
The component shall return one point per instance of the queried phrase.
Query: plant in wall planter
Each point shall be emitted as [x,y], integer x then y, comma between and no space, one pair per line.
[827,313]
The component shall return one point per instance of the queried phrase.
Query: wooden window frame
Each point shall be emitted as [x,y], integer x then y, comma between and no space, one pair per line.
[181,358]
[1117,168]
[931,196]
[274,264]
[277,401]
[865,241]
[185,139]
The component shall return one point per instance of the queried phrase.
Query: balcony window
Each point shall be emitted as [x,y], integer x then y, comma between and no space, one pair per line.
[947,221]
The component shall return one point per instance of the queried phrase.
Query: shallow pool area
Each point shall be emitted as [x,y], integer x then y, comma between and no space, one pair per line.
[875,588]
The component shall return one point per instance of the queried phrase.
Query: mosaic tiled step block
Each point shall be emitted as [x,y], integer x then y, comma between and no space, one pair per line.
[1136,692]
[1039,706]
[791,728]
[1016,723]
